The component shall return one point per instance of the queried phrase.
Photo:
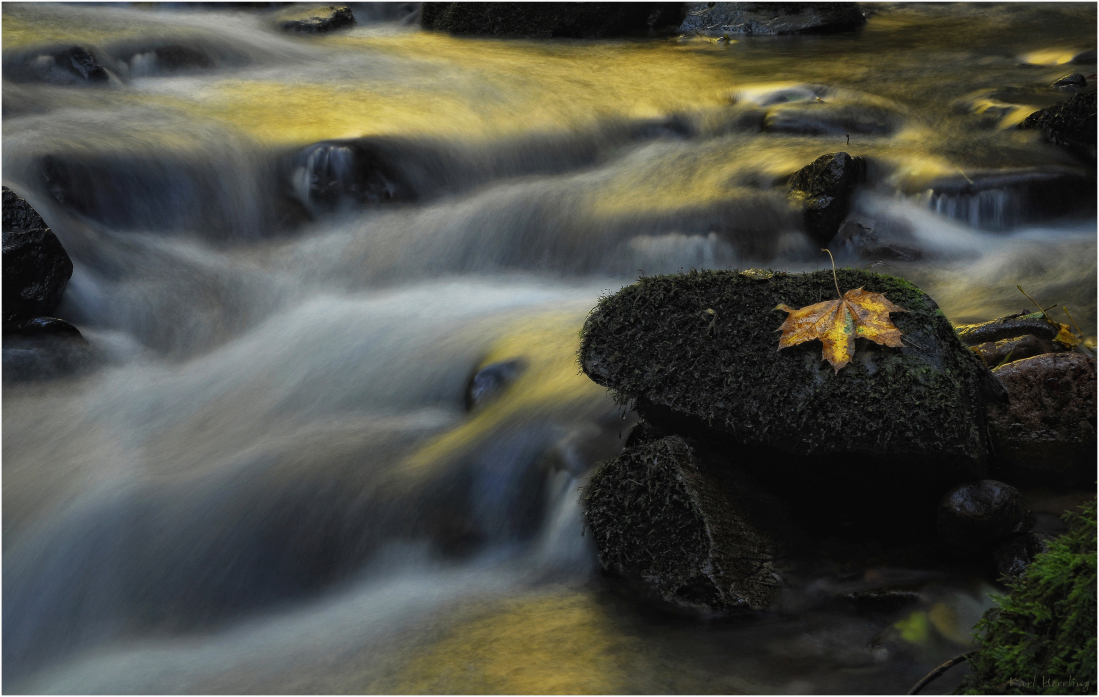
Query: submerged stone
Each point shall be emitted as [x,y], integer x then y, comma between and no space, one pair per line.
[910,417]
[43,349]
[1047,432]
[661,516]
[552,19]
[65,66]
[490,381]
[1075,81]
[825,188]
[828,119]
[766,18]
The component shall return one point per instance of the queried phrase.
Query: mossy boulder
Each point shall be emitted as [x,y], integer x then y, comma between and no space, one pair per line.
[578,20]
[697,354]
[691,533]
[1041,639]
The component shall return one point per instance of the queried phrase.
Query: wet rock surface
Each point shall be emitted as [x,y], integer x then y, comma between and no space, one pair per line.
[719,377]
[1046,433]
[491,380]
[973,515]
[1015,554]
[823,118]
[551,19]
[36,270]
[317,20]
[1008,327]
[1070,124]
[18,215]
[769,18]
[825,188]
[43,349]
[326,175]
[1075,81]
[996,353]
[62,66]
[662,517]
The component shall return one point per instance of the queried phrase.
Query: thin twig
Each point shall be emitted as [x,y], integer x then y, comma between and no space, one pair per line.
[1035,304]
[939,671]
[1070,319]
[834,277]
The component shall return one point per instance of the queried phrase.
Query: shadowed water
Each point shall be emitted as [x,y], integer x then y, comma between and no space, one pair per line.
[292,254]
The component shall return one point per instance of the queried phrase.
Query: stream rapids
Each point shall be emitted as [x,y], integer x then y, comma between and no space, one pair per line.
[269,481]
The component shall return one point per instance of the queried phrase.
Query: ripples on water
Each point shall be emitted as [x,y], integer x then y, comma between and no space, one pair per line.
[271,483]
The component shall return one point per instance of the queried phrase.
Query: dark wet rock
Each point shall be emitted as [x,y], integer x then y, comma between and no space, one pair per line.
[488,382]
[18,215]
[895,417]
[1011,326]
[64,66]
[767,18]
[825,118]
[317,20]
[975,514]
[1014,555]
[1075,81]
[640,434]
[1046,433]
[1084,58]
[995,353]
[1002,199]
[875,240]
[552,19]
[326,175]
[1070,124]
[44,348]
[662,517]
[825,188]
[36,266]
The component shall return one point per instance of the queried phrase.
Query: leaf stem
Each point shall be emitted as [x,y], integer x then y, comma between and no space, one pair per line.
[1070,319]
[834,277]
[1048,318]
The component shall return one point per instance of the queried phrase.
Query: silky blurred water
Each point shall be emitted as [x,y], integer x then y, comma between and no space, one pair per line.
[270,482]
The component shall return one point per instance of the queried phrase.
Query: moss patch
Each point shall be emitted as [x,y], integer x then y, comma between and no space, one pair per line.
[1042,637]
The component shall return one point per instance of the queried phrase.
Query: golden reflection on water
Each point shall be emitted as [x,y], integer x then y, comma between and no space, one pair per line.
[559,643]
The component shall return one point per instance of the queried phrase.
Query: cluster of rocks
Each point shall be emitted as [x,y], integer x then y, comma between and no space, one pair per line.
[36,271]
[746,458]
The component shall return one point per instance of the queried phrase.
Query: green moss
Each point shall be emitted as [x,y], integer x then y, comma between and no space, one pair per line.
[656,346]
[1042,637]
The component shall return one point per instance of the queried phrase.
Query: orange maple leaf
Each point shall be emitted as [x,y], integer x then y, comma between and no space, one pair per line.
[837,323]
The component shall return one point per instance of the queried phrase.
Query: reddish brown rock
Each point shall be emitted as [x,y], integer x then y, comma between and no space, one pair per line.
[1046,432]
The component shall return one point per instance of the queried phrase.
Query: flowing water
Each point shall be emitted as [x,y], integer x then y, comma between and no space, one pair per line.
[269,480]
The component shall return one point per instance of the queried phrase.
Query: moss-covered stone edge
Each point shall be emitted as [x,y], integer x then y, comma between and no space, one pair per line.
[1041,637]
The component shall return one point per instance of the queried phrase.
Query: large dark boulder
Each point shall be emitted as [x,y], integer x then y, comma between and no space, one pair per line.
[664,518]
[716,18]
[1070,124]
[697,354]
[1045,434]
[546,20]
[36,267]
[824,188]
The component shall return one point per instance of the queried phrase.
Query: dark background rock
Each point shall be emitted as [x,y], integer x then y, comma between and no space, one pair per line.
[826,118]
[488,382]
[888,433]
[1070,124]
[18,215]
[551,19]
[58,65]
[824,188]
[716,18]
[662,517]
[318,20]
[44,349]
[974,515]
[1046,433]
